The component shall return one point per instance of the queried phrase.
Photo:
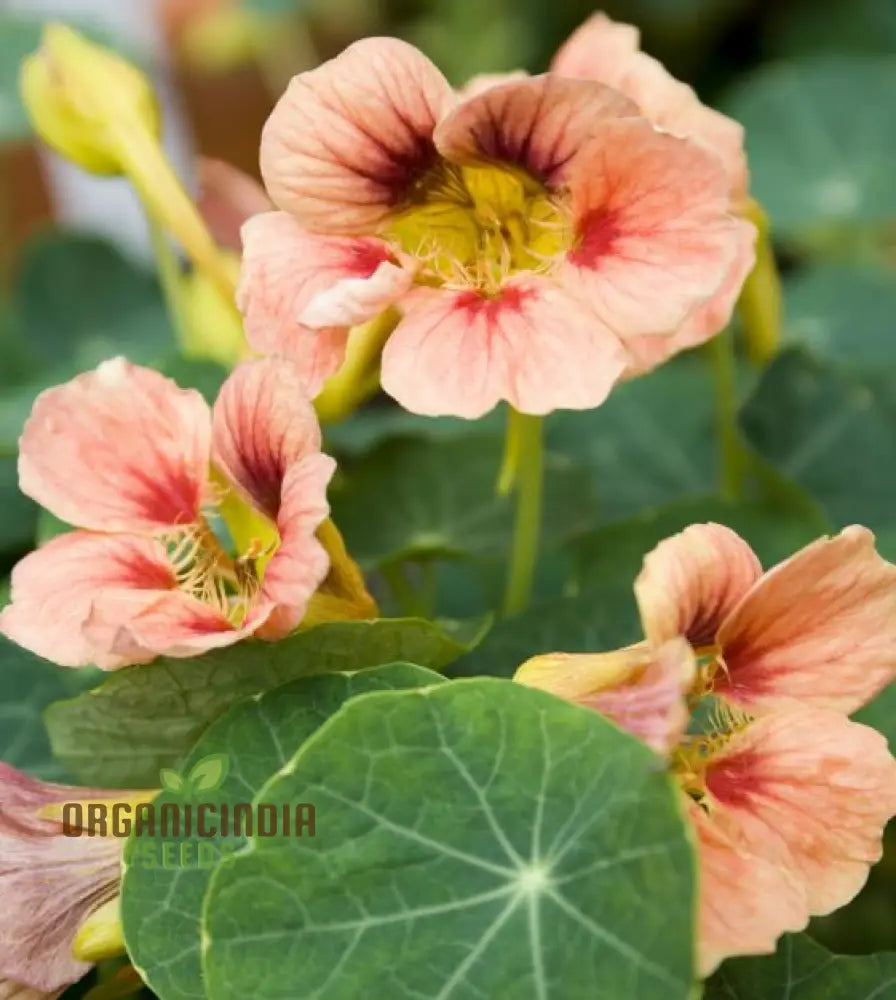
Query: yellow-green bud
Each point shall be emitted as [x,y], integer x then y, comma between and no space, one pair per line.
[80,95]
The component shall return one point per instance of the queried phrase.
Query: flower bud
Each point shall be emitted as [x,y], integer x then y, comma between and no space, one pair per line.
[80,95]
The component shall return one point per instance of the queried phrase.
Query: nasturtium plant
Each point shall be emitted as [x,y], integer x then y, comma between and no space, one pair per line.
[462,564]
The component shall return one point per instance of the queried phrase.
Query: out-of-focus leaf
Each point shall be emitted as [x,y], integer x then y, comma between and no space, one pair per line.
[833,433]
[844,314]
[802,27]
[18,514]
[18,37]
[821,135]
[802,970]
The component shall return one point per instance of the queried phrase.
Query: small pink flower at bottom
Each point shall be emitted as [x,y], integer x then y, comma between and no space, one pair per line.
[527,232]
[787,796]
[51,882]
[197,527]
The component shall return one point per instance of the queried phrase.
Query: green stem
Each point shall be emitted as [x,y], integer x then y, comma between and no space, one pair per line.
[528,483]
[170,276]
[731,458]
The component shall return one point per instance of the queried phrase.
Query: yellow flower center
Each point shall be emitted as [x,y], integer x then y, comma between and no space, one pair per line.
[473,227]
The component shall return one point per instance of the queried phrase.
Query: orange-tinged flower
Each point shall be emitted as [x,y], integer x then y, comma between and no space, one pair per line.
[787,796]
[149,474]
[51,882]
[528,232]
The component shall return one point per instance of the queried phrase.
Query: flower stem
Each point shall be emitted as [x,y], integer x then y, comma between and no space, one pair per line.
[528,482]
[731,458]
[170,278]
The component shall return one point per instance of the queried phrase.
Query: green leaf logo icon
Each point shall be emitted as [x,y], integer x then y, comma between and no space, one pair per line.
[171,781]
[209,773]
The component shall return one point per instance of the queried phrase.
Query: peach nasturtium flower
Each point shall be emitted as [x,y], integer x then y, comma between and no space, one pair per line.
[527,234]
[149,474]
[787,796]
[52,883]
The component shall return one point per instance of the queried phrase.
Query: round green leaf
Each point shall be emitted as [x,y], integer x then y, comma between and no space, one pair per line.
[474,839]
[161,905]
[821,139]
[802,970]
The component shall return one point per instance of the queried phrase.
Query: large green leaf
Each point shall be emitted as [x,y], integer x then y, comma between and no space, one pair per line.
[411,498]
[617,551]
[27,685]
[802,970]
[160,904]
[843,313]
[821,137]
[147,717]
[652,442]
[602,618]
[832,432]
[474,839]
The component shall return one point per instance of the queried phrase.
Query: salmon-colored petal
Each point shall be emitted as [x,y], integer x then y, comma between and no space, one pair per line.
[348,141]
[597,49]
[227,199]
[746,902]
[19,991]
[49,884]
[300,563]
[460,352]
[704,322]
[263,424]
[485,81]
[609,52]
[818,629]
[654,238]
[56,589]
[300,292]
[539,124]
[811,792]
[691,581]
[121,448]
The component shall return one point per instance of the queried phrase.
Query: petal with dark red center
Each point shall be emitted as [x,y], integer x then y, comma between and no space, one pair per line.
[347,142]
[49,884]
[818,629]
[300,292]
[263,424]
[691,581]
[56,589]
[460,352]
[121,448]
[653,237]
[810,792]
[539,124]
[300,563]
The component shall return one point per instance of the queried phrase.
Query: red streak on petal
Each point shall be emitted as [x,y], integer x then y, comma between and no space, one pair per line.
[735,780]
[597,234]
[479,306]
[363,257]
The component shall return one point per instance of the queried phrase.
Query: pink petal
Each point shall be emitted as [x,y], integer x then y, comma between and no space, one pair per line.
[49,884]
[654,239]
[641,689]
[55,590]
[746,902]
[459,352]
[121,448]
[227,198]
[597,49]
[478,84]
[538,124]
[704,322]
[808,792]
[819,629]
[263,424]
[300,292]
[300,563]
[692,581]
[608,52]
[347,142]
